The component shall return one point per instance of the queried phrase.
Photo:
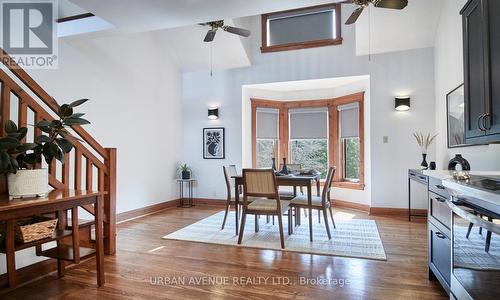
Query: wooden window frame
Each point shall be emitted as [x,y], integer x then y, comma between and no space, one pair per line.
[334,144]
[303,45]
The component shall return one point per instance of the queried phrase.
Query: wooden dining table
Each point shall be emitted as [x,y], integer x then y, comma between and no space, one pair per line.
[286,180]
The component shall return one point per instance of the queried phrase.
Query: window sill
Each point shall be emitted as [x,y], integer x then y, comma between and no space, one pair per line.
[349,185]
[303,45]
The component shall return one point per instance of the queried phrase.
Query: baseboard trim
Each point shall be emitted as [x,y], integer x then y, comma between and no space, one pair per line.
[144,211]
[210,202]
[351,205]
[402,212]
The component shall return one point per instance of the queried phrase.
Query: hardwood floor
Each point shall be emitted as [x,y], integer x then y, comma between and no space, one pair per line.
[142,256]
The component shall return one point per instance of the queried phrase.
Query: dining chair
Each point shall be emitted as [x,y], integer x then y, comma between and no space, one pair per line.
[321,203]
[260,186]
[229,172]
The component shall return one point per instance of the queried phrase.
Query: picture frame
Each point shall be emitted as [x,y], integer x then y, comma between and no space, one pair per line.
[455,118]
[214,142]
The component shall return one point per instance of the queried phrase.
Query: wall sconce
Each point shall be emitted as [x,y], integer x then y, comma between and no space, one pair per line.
[402,103]
[213,113]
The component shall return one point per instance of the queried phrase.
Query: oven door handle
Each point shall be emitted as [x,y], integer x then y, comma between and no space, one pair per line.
[489,226]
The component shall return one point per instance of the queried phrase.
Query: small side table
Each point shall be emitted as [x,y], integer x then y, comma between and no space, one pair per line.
[182,199]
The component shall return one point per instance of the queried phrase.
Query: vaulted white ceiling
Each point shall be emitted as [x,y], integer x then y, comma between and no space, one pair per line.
[174,23]
[147,15]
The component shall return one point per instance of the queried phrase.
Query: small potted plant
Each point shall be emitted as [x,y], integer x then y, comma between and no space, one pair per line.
[185,171]
[22,161]
[424,141]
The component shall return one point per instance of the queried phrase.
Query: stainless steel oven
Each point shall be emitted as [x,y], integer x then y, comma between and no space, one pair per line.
[475,239]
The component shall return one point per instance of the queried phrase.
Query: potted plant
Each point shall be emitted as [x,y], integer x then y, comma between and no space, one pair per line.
[185,171]
[22,161]
[424,141]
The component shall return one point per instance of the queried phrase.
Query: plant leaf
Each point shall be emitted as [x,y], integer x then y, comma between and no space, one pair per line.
[65,111]
[75,121]
[42,139]
[10,127]
[78,102]
[8,143]
[42,123]
[77,115]
[64,144]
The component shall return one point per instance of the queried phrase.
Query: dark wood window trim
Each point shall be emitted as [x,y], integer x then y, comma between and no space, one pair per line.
[334,148]
[303,45]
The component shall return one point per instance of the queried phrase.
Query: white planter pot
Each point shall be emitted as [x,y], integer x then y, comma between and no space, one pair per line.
[28,183]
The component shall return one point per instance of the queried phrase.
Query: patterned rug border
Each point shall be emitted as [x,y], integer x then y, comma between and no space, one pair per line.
[165,237]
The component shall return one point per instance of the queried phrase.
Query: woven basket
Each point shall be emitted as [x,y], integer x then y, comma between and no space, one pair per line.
[34,229]
[26,183]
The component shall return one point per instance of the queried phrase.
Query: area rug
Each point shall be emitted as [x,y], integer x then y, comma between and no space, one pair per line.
[351,238]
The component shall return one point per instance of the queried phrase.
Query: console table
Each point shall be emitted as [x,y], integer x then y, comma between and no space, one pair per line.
[57,201]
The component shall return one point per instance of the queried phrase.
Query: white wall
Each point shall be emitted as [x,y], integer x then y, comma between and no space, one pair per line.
[449,74]
[135,107]
[409,72]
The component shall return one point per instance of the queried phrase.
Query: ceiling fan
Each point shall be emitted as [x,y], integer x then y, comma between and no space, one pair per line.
[215,25]
[392,4]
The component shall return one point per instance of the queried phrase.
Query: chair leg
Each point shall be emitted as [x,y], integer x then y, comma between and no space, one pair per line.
[242,225]
[273,219]
[488,237]
[331,215]
[256,223]
[325,216]
[481,228]
[290,222]
[488,241]
[267,219]
[319,218]
[310,224]
[225,215]
[469,230]
[280,224]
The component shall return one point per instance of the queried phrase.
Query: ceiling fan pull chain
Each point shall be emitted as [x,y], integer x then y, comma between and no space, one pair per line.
[211,60]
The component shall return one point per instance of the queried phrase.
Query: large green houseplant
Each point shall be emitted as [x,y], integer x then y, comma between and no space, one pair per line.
[22,162]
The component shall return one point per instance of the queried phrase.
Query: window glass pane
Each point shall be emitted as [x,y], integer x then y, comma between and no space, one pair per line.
[351,159]
[265,152]
[310,154]
[287,28]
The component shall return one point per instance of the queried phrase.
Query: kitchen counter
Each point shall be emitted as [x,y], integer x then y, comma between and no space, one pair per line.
[445,174]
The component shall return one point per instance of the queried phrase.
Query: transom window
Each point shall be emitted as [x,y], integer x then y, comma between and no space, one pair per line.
[314,134]
[301,28]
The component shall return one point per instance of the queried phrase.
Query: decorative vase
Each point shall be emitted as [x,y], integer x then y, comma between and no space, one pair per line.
[284,169]
[459,160]
[274,164]
[186,175]
[424,164]
[28,183]
[432,165]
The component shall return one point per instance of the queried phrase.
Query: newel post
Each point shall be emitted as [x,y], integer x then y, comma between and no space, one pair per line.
[110,203]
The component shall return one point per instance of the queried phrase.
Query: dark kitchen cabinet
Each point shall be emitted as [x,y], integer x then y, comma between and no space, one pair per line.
[481,33]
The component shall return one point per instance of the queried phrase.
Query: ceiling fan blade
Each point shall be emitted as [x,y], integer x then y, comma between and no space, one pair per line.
[392,4]
[210,35]
[238,31]
[355,15]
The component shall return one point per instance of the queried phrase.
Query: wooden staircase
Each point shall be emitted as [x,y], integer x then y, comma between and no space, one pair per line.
[89,166]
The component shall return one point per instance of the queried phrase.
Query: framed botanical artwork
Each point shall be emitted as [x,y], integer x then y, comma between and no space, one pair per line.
[455,115]
[214,143]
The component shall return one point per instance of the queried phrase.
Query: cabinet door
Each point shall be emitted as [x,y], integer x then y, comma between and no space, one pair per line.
[492,121]
[474,69]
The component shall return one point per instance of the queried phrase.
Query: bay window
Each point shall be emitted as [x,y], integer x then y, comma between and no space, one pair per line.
[314,134]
